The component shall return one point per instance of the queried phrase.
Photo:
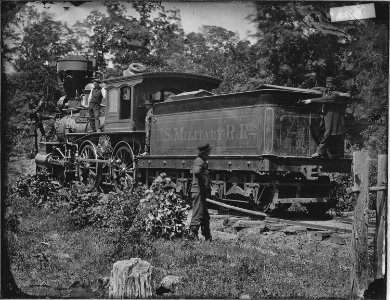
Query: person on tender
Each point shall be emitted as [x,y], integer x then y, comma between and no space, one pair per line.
[201,188]
[95,98]
[333,110]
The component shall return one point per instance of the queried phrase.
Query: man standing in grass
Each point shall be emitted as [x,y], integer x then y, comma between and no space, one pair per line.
[201,187]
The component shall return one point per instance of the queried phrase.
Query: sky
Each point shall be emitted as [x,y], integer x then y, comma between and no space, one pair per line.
[230,14]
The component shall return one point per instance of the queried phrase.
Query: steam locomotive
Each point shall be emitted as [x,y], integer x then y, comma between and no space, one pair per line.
[262,139]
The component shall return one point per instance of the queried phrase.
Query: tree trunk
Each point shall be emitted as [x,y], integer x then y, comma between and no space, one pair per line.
[381,209]
[131,279]
[359,246]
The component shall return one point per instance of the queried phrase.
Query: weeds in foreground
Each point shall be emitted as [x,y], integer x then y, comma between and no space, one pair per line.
[47,251]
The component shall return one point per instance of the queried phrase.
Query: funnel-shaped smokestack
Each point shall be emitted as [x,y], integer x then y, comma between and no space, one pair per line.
[75,71]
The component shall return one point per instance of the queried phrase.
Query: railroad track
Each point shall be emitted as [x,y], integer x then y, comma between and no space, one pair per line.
[334,225]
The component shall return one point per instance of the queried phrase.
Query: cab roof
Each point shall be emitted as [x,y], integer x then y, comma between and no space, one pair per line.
[176,80]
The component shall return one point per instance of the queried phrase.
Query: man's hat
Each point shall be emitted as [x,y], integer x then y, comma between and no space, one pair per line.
[204,148]
[329,79]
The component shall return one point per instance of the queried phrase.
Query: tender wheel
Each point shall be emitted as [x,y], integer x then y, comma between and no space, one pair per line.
[89,172]
[123,170]
[264,203]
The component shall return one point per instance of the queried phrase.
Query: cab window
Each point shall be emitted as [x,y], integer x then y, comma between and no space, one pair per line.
[125,103]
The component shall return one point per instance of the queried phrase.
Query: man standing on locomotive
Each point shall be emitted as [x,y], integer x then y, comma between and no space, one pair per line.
[201,188]
[148,123]
[332,143]
[95,98]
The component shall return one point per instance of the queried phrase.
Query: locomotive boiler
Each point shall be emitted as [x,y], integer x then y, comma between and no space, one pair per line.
[262,141]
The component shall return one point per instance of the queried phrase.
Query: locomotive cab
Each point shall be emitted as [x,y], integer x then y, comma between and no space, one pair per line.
[127,96]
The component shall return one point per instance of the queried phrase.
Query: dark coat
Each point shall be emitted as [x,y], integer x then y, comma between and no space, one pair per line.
[97,95]
[333,110]
[201,177]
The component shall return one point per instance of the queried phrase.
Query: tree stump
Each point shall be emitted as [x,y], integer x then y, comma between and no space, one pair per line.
[131,279]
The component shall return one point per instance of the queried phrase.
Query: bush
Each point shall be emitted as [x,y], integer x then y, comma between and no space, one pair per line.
[40,190]
[81,206]
[165,211]
[347,202]
[18,140]
[115,211]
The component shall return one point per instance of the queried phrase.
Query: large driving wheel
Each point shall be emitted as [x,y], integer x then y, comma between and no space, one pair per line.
[123,169]
[89,171]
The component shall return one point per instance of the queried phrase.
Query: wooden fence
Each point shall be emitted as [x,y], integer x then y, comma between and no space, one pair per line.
[360,260]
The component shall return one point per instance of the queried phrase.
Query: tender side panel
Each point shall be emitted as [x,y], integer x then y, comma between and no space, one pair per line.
[292,134]
[231,131]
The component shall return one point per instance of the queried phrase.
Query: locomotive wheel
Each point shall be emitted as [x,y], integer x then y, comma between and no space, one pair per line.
[123,170]
[89,172]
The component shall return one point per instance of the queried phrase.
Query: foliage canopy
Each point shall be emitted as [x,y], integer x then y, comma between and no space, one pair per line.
[296,44]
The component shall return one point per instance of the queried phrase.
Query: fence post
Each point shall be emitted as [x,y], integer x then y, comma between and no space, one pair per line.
[359,245]
[381,209]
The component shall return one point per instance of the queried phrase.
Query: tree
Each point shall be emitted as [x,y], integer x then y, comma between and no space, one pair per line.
[366,64]
[215,51]
[34,43]
[126,39]
[295,39]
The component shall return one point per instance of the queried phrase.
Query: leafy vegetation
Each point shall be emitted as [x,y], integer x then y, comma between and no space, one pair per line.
[39,189]
[49,256]
[166,211]
[162,211]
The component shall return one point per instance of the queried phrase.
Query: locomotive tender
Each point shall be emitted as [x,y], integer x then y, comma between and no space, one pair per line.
[262,140]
